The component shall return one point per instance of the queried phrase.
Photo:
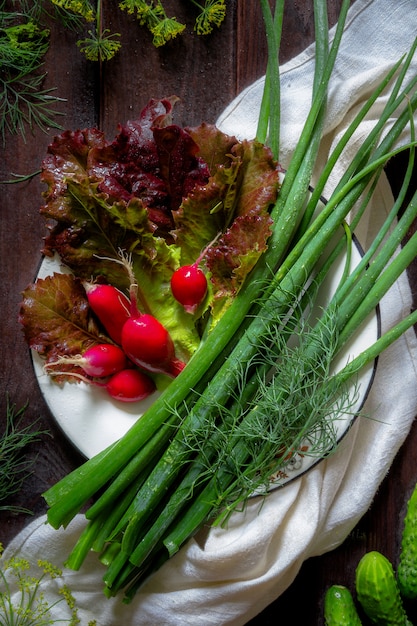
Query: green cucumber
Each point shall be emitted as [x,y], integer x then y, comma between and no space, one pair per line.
[407,564]
[339,607]
[378,592]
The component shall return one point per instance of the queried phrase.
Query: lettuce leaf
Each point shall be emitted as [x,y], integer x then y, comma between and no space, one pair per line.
[57,320]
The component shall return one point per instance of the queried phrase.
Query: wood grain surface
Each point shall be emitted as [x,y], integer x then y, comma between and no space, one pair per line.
[206,74]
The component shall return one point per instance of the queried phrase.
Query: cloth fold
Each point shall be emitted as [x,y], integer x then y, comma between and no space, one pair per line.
[227,576]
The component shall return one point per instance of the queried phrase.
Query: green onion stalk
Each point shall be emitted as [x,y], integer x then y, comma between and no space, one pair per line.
[261,387]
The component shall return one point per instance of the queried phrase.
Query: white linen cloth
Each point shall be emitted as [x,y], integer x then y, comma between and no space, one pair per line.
[227,576]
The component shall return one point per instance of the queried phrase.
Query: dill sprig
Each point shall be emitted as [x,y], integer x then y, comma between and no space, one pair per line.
[15,467]
[101,45]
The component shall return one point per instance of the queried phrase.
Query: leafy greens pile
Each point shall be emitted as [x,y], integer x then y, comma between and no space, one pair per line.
[160,194]
[249,398]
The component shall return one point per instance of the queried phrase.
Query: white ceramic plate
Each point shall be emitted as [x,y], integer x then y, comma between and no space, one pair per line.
[92,421]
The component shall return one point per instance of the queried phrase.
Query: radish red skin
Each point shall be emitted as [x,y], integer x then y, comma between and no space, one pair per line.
[98,361]
[130,385]
[103,360]
[111,306]
[189,286]
[147,343]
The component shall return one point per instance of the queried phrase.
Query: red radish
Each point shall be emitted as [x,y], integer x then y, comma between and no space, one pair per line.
[147,343]
[102,360]
[189,286]
[189,283]
[111,306]
[127,385]
[130,385]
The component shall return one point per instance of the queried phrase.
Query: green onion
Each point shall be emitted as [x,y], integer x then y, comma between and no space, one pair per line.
[208,443]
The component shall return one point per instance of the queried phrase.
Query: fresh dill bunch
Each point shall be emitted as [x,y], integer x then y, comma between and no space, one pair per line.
[22,599]
[212,14]
[285,402]
[23,102]
[14,466]
[296,410]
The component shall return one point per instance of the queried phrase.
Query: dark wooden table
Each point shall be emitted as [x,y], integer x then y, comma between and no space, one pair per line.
[206,74]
